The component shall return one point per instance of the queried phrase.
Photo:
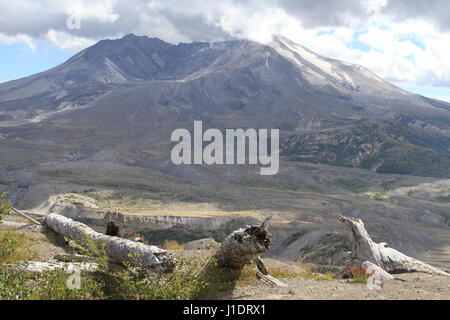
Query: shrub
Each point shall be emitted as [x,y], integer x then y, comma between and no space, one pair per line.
[16,284]
[52,285]
[134,283]
[218,279]
[14,247]
[359,274]
[379,196]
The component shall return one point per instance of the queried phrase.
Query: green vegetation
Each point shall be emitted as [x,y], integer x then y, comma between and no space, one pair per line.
[16,284]
[280,274]
[194,278]
[444,198]
[304,271]
[359,275]
[325,277]
[137,284]
[52,285]
[380,195]
[446,218]
[381,145]
[386,188]
[15,247]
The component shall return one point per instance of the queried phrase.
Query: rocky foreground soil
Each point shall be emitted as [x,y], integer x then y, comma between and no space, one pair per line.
[413,286]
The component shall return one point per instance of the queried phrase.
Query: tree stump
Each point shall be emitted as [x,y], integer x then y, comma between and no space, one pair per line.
[365,252]
[245,245]
[112,229]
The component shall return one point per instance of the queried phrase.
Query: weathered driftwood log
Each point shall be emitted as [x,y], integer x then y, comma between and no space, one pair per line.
[25,216]
[17,225]
[366,252]
[73,258]
[118,249]
[261,266]
[243,246]
[40,267]
[267,278]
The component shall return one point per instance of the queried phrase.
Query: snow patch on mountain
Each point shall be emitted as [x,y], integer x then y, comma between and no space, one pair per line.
[116,75]
[318,70]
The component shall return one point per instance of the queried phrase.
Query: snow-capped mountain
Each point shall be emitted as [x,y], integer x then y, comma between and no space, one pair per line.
[96,130]
[138,89]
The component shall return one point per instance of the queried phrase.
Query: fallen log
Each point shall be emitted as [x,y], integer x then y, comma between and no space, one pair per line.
[366,253]
[16,225]
[41,267]
[261,266]
[73,258]
[245,245]
[119,250]
[26,216]
[268,279]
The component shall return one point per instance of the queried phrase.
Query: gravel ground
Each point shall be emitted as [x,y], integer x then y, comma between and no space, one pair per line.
[413,286]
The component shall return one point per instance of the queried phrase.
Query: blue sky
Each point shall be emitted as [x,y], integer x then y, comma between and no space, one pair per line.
[18,60]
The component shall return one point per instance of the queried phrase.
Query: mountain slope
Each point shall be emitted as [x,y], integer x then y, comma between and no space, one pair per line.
[93,135]
[134,91]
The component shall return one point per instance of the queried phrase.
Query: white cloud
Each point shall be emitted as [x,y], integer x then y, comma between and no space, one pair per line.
[374,6]
[443,98]
[102,11]
[390,56]
[19,38]
[67,41]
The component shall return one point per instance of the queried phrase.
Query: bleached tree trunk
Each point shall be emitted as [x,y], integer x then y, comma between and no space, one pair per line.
[366,252]
[243,246]
[16,225]
[25,216]
[41,267]
[118,249]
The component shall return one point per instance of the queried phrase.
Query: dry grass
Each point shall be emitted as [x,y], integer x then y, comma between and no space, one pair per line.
[301,271]
[15,247]
[144,204]
[172,245]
